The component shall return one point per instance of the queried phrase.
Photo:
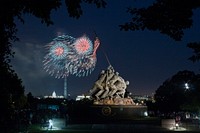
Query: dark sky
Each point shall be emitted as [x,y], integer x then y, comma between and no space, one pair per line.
[144,58]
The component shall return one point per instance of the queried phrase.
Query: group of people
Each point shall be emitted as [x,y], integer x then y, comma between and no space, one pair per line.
[109,84]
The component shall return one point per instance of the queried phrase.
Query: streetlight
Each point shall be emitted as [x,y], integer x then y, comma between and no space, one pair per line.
[187,86]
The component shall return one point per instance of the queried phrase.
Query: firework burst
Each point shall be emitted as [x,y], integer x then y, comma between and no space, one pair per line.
[84,59]
[83,46]
[56,60]
[67,55]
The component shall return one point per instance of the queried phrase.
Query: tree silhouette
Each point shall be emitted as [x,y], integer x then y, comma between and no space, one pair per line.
[169,17]
[12,91]
[12,97]
[173,95]
[196,51]
[74,6]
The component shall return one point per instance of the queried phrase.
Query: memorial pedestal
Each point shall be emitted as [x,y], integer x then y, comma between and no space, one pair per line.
[107,114]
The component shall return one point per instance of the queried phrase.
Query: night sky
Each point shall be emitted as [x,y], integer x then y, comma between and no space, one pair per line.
[144,58]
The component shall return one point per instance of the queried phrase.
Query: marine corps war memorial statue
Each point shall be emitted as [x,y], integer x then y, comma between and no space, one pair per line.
[108,102]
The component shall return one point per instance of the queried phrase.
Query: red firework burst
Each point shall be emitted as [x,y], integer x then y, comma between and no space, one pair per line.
[83,45]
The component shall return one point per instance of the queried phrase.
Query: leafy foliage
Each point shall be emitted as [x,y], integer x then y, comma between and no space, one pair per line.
[172,95]
[74,6]
[169,17]
[12,96]
[11,87]
[196,50]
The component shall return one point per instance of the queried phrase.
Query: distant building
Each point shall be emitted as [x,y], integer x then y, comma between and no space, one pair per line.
[142,98]
[54,96]
[82,97]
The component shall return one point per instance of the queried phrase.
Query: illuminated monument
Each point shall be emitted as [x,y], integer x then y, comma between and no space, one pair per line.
[108,103]
[110,89]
